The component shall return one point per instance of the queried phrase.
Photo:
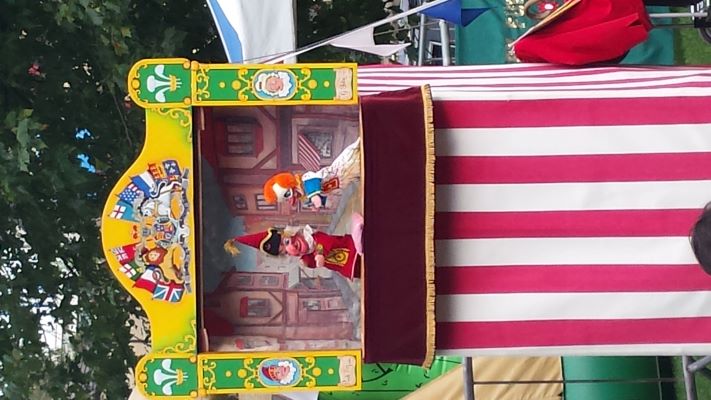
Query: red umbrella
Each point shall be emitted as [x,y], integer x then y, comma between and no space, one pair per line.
[589,32]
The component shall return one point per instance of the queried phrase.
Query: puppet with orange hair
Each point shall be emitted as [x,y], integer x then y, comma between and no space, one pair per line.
[314,187]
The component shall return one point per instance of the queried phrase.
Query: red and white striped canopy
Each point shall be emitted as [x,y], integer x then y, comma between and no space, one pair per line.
[564,202]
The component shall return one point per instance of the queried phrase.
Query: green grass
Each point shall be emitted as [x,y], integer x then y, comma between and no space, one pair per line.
[690,49]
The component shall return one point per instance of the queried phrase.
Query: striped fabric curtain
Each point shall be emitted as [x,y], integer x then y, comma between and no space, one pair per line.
[564,200]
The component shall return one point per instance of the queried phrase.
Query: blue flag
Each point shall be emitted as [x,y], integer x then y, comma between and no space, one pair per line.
[452,11]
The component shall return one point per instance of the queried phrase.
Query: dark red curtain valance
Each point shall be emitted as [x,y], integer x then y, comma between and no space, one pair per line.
[398,238]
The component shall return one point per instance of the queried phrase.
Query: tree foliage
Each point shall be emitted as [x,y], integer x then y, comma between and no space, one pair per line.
[62,74]
[64,68]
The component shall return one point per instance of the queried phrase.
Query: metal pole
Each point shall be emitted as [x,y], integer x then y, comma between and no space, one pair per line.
[444,38]
[699,364]
[421,42]
[679,15]
[468,379]
[689,381]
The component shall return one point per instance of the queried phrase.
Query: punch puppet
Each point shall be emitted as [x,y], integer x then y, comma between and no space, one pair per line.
[315,249]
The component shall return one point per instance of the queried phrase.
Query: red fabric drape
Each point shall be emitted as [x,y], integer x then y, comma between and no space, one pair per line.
[590,32]
[394,237]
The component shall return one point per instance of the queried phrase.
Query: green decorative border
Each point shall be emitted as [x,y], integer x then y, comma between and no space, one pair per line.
[177,83]
[238,372]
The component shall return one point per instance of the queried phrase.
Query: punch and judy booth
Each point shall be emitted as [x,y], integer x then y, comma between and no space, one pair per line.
[286,224]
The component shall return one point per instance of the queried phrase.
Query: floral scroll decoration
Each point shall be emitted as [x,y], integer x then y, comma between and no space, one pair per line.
[202,81]
[182,115]
[188,345]
[209,378]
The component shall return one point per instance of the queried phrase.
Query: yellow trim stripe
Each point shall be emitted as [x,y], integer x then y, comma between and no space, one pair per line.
[429,224]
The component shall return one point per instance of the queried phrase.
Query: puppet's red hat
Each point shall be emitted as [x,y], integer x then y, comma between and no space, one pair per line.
[267,242]
[590,31]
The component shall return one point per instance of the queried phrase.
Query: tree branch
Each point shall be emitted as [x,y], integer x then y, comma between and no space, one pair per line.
[123,120]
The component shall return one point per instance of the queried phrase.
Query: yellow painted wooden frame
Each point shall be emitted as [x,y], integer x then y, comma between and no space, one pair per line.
[147,225]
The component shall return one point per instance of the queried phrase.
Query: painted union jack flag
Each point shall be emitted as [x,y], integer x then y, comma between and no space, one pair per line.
[171,292]
[120,254]
[564,201]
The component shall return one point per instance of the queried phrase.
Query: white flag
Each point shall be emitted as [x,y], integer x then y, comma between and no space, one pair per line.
[362,40]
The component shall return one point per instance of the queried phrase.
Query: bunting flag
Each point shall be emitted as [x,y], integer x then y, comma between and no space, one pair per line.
[452,11]
[252,29]
[564,200]
[362,40]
